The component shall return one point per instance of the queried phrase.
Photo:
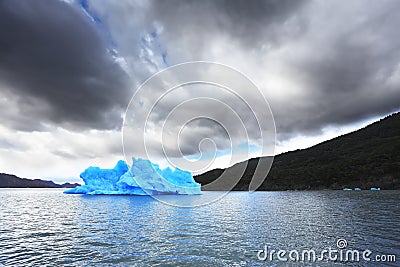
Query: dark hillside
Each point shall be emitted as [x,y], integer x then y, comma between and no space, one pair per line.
[369,157]
[12,181]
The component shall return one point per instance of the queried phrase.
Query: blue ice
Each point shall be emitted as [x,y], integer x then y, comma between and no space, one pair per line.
[143,178]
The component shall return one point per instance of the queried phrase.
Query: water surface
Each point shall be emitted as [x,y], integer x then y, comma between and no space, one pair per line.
[44,227]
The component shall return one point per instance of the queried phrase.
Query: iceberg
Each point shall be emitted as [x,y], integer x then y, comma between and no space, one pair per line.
[142,178]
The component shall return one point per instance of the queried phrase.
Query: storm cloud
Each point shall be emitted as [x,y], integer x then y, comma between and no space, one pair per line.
[318,63]
[74,65]
[56,68]
[342,60]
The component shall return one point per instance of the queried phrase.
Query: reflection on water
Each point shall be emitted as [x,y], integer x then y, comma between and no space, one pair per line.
[45,227]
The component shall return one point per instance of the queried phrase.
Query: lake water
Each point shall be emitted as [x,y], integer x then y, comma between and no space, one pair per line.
[44,227]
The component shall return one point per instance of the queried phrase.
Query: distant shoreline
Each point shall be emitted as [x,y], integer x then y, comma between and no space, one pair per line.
[12,181]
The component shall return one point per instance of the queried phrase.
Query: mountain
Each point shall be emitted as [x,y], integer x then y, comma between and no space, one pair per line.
[12,181]
[369,157]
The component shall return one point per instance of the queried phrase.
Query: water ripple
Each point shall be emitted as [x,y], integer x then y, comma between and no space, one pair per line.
[43,227]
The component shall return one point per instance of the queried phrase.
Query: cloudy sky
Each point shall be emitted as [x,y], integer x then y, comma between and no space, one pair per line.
[68,70]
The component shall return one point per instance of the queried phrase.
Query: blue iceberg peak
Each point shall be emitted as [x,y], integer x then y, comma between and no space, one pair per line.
[143,178]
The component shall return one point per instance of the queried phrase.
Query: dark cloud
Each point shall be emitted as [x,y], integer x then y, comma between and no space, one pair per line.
[344,65]
[256,22]
[251,23]
[341,59]
[354,74]
[54,59]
